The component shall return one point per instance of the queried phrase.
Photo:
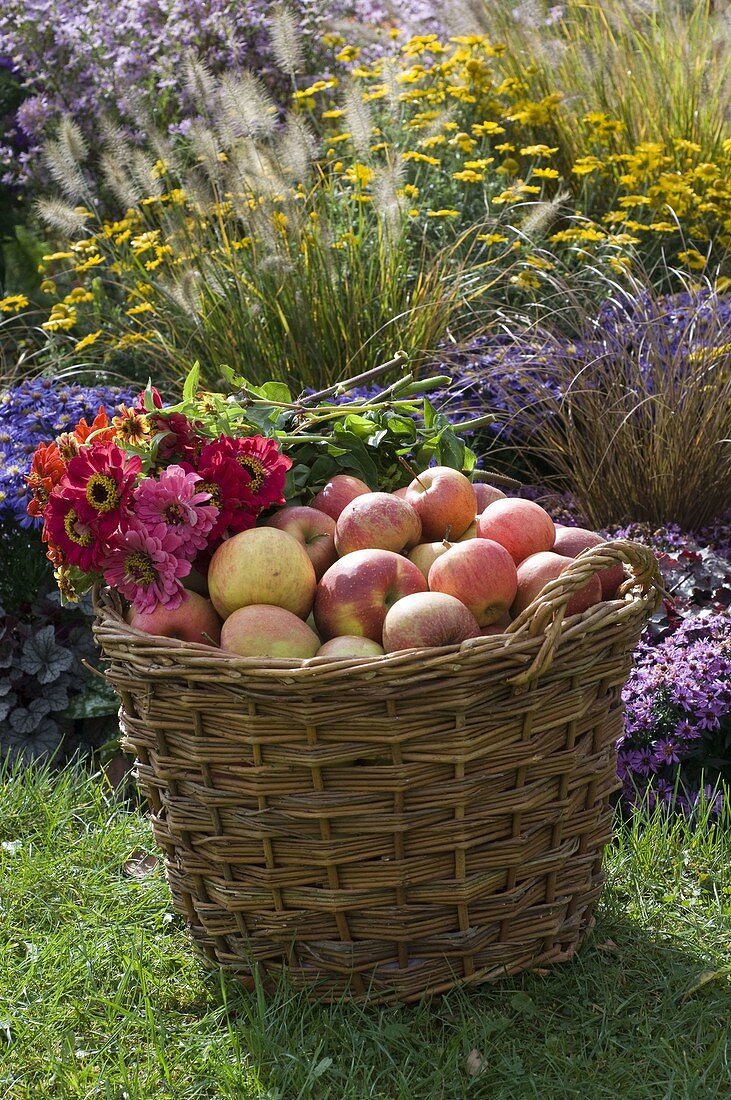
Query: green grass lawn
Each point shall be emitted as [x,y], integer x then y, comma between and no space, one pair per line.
[101,994]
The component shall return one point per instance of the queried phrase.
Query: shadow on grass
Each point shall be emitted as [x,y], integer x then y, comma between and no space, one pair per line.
[623,1015]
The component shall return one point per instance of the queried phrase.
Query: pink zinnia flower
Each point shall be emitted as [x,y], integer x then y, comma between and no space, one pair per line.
[99,482]
[145,565]
[177,500]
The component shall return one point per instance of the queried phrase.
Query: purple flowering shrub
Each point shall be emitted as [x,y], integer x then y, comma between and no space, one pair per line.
[677,737]
[32,412]
[602,401]
[524,372]
[90,57]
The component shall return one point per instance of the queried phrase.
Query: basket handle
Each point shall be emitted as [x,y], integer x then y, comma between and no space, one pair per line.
[546,613]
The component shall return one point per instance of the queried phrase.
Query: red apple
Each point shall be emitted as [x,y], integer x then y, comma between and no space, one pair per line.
[481,574]
[426,553]
[338,492]
[427,619]
[376,521]
[400,492]
[486,494]
[349,646]
[536,571]
[261,630]
[314,529]
[521,526]
[194,621]
[570,541]
[445,502]
[357,591]
[262,566]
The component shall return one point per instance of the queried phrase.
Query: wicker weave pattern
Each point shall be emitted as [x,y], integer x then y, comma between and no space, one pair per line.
[389,827]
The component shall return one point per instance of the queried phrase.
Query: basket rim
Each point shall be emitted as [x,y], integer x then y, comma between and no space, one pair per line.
[545,617]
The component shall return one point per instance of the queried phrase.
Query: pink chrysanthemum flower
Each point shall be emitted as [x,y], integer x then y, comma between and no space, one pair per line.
[178,500]
[145,565]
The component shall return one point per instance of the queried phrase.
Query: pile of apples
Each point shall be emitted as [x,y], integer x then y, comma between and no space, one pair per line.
[360,573]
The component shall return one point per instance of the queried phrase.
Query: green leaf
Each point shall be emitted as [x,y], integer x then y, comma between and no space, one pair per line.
[360,426]
[704,978]
[276,391]
[229,375]
[430,413]
[96,701]
[190,386]
[147,399]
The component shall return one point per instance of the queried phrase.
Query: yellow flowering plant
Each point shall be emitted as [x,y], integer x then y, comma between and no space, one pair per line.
[392,205]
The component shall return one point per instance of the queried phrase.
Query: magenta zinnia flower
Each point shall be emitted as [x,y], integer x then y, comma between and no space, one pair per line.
[145,565]
[176,499]
[77,540]
[99,482]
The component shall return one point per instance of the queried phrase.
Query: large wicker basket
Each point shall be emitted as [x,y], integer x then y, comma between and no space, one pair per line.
[390,827]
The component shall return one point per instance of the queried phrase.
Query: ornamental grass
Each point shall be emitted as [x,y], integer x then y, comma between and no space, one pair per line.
[631,411]
[661,71]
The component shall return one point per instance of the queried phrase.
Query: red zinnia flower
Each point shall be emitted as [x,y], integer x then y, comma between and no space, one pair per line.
[71,539]
[266,466]
[46,470]
[99,482]
[229,486]
[156,400]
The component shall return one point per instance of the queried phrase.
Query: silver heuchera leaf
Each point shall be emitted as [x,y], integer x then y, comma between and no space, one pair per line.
[25,720]
[43,658]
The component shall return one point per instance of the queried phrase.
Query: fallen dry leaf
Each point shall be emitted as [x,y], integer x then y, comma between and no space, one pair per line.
[704,978]
[475,1063]
[140,864]
[608,945]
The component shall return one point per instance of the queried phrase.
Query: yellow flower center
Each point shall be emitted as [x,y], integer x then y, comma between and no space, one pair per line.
[70,520]
[213,489]
[139,568]
[174,514]
[256,469]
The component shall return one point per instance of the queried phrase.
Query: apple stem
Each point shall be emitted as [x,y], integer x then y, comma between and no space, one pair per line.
[407,466]
[445,540]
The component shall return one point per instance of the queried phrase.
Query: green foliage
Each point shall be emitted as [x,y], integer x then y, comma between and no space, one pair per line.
[379,438]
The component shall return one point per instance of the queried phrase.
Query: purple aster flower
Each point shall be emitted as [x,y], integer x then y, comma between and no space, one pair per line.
[665,752]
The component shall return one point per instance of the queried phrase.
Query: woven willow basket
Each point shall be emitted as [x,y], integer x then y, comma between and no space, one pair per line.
[390,827]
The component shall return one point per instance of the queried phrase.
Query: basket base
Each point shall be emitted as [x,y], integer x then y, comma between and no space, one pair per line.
[388,984]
